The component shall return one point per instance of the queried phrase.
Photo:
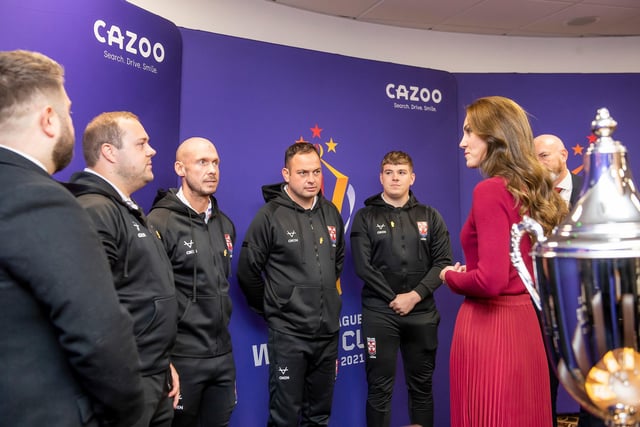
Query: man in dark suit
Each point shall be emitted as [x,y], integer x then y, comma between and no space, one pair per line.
[68,354]
[553,155]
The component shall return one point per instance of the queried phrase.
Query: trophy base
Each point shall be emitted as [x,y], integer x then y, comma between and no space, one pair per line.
[622,417]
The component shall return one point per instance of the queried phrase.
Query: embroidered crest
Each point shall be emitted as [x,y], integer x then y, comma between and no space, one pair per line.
[227,238]
[371,347]
[332,234]
[423,228]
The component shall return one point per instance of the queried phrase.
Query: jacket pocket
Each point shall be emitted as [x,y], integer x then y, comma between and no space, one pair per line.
[202,328]
[156,338]
[332,307]
[302,307]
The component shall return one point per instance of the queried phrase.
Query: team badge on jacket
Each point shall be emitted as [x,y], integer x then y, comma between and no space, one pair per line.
[332,235]
[371,347]
[227,239]
[423,229]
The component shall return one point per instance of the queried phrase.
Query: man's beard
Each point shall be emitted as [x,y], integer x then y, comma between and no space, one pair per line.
[63,150]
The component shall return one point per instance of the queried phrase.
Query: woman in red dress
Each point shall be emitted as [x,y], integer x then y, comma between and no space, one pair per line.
[498,368]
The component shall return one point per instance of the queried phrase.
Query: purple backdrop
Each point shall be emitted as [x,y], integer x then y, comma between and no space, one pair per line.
[116,57]
[561,104]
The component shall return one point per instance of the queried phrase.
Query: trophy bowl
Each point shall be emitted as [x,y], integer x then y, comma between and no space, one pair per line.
[587,281]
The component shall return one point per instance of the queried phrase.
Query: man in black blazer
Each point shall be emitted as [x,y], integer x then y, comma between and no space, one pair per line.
[553,155]
[67,349]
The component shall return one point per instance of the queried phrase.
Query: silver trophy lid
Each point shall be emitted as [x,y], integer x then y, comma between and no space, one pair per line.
[605,222]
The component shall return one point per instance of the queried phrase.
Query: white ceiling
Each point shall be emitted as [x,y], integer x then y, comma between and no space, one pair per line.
[533,18]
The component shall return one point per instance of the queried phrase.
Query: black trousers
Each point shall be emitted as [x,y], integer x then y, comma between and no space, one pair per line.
[416,336]
[302,374]
[207,391]
[158,408]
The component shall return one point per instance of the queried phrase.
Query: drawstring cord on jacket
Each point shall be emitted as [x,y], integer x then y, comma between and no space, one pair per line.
[194,296]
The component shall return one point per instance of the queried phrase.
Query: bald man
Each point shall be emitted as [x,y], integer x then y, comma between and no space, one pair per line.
[553,155]
[199,239]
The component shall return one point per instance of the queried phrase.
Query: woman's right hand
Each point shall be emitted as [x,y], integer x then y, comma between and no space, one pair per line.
[457,267]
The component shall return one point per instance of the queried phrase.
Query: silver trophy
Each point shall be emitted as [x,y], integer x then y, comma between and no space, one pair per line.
[587,284]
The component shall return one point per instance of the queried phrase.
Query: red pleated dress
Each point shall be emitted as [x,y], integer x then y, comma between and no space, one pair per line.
[498,368]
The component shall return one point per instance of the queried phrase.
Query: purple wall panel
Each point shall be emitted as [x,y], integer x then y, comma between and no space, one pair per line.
[116,57]
[254,99]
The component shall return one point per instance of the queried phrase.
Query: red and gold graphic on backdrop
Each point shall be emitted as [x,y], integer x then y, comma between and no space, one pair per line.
[578,150]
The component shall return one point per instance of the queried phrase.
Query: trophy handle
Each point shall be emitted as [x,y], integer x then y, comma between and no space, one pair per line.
[528,225]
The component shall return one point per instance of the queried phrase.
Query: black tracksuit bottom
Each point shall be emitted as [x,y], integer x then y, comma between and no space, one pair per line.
[416,336]
[302,373]
[158,407]
[207,391]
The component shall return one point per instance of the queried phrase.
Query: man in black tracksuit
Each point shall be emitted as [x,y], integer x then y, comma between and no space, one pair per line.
[199,240]
[399,247]
[118,158]
[297,241]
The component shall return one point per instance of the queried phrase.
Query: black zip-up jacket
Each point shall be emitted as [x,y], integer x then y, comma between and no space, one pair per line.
[141,270]
[200,253]
[301,253]
[398,250]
